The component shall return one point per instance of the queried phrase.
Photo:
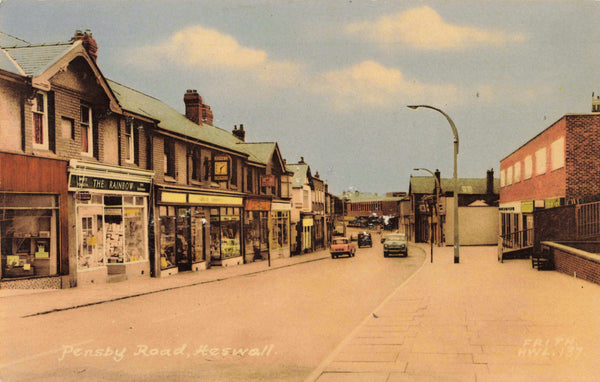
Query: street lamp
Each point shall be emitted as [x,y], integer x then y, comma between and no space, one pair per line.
[437,203]
[455,176]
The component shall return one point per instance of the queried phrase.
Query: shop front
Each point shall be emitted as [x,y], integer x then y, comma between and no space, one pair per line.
[256,229]
[33,223]
[307,233]
[197,230]
[279,225]
[111,218]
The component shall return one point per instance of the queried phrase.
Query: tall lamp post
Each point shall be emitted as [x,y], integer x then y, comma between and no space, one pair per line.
[437,203]
[455,176]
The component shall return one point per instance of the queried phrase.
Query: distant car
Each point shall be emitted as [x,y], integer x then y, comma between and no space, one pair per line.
[395,244]
[365,240]
[342,246]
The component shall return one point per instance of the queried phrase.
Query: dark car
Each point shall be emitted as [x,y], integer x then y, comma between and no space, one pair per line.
[395,244]
[364,240]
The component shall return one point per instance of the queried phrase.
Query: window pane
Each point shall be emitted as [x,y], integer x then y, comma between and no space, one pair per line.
[38,128]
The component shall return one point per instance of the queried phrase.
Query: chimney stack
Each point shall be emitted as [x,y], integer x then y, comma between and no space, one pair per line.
[87,41]
[240,134]
[490,182]
[195,110]
[439,179]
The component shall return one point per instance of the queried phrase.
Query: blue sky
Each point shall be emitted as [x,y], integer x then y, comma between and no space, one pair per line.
[330,80]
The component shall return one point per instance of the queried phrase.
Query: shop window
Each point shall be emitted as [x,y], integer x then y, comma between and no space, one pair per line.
[225,233]
[134,234]
[40,120]
[167,237]
[87,133]
[28,235]
[280,229]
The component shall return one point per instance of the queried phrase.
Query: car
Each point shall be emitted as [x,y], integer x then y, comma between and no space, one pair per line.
[342,246]
[395,244]
[364,240]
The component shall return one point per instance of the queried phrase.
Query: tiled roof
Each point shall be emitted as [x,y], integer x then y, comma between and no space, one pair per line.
[171,120]
[426,185]
[301,171]
[34,59]
[7,40]
[260,152]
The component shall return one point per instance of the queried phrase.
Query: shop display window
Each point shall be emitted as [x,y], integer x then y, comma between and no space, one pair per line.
[28,235]
[225,233]
[280,229]
[111,230]
[167,237]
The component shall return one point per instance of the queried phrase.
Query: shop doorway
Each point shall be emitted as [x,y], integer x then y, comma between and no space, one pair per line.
[182,243]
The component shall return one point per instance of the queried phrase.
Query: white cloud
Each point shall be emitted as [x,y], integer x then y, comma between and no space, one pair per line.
[424,28]
[369,84]
[208,49]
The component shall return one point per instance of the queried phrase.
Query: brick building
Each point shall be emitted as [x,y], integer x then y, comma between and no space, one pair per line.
[559,166]
[116,184]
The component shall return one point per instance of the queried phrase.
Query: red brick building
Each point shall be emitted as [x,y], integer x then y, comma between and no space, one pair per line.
[561,165]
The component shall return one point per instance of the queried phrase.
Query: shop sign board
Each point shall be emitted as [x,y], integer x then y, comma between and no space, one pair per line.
[257,205]
[552,203]
[83,196]
[527,207]
[96,183]
[214,199]
[307,222]
[267,181]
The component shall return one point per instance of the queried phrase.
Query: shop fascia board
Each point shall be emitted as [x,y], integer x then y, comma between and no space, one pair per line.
[77,167]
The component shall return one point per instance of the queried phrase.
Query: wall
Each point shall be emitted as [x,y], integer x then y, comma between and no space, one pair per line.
[583,155]
[548,185]
[574,262]
[10,117]
[477,226]
[554,224]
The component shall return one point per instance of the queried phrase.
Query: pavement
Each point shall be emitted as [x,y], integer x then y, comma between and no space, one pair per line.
[478,320]
[34,302]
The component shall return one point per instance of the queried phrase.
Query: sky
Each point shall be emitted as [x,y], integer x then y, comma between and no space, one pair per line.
[330,80]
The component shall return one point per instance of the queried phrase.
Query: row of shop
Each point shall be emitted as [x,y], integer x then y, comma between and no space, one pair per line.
[67,223]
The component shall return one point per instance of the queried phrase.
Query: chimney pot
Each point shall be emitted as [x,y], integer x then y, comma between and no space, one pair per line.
[239,133]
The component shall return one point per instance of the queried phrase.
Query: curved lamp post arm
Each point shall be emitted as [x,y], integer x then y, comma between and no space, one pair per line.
[452,125]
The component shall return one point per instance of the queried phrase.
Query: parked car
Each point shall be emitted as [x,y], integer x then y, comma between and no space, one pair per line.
[342,246]
[365,240]
[395,244]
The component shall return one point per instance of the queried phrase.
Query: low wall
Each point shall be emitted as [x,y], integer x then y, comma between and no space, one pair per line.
[574,261]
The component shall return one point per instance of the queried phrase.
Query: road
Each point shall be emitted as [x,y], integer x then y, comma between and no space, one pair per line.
[272,326]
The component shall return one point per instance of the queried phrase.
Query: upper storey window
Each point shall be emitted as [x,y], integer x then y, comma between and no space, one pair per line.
[130,142]
[87,134]
[40,121]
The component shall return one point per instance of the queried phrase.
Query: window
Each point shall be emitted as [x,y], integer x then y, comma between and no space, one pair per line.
[540,161]
[129,142]
[40,121]
[509,176]
[557,150]
[196,165]
[502,178]
[249,187]
[234,174]
[517,174]
[528,167]
[66,127]
[87,134]
[169,158]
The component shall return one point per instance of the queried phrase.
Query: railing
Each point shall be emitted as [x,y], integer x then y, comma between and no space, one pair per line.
[518,239]
[587,218]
